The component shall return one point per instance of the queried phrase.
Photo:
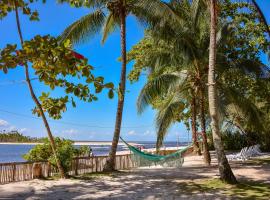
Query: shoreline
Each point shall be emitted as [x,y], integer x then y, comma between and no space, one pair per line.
[94,143]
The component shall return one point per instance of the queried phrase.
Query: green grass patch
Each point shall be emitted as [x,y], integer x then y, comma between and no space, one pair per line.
[260,161]
[243,190]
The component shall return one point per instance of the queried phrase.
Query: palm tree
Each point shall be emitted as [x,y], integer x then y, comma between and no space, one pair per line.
[225,171]
[109,14]
[35,99]
[194,123]
[187,44]
[183,49]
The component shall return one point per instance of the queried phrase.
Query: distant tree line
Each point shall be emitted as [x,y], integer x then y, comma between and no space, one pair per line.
[15,136]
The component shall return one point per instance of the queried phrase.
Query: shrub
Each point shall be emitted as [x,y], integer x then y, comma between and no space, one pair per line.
[231,141]
[65,150]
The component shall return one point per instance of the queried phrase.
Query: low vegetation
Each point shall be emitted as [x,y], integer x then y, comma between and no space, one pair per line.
[15,136]
[242,190]
[65,150]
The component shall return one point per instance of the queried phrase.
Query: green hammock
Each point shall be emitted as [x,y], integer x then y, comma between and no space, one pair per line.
[146,159]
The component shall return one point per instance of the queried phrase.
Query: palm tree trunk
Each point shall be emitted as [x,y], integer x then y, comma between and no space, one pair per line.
[206,154]
[193,126]
[110,163]
[225,171]
[35,99]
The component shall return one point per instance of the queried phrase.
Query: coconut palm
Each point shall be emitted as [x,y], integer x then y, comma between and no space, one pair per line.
[176,57]
[225,171]
[186,50]
[35,99]
[224,167]
[107,15]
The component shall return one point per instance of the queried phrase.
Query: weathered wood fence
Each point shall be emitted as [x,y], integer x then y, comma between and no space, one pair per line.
[21,171]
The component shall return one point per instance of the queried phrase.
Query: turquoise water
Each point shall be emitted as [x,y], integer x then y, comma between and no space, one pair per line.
[13,153]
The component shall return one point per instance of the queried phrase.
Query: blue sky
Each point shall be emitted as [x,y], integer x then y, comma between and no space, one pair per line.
[91,121]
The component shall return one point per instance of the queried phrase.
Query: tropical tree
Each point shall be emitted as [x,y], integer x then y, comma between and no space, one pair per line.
[52,62]
[262,17]
[166,55]
[108,15]
[171,52]
[224,167]
[225,171]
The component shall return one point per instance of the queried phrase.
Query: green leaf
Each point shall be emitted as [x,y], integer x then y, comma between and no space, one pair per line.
[73,102]
[109,85]
[77,91]
[110,94]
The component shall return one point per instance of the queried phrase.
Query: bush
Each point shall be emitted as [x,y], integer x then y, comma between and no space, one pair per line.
[231,141]
[65,149]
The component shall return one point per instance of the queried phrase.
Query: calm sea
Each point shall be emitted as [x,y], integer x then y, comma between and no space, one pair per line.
[13,153]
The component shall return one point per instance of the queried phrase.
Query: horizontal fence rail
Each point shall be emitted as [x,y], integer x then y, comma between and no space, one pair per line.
[22,171]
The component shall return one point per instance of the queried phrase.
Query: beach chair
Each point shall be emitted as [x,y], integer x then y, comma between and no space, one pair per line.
[243,155]
[257,150]
[246,153]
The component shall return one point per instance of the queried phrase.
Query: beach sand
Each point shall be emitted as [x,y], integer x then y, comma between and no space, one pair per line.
[142,183]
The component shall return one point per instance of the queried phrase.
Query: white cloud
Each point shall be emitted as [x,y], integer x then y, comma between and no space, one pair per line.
[12,128]
[132,132]
[23,130]
[3,123]
[70,131]
[148,132]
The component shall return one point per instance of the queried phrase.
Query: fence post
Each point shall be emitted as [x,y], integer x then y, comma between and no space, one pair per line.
[13,172]
[49,169]
[76,166]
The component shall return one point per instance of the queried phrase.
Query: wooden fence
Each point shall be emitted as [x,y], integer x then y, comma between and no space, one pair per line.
[21,171]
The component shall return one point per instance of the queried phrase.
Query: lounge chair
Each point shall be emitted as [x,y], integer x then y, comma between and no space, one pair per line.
[246,153]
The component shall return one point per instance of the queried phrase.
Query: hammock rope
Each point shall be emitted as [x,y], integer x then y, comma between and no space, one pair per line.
[147,159]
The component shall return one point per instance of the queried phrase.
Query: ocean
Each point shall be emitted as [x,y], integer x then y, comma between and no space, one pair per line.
[14,153]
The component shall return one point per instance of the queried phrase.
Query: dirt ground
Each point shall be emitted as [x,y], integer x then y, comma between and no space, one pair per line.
[142,183]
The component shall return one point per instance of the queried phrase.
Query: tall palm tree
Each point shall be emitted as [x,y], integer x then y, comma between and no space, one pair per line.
[184,49]
[35,99]
[194,123]
[225,171]
[187,43]
[109,14]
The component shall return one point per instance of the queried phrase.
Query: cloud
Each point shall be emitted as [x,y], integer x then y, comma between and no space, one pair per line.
[11,128]
[23,130]
[3,123]
[148,132]
[70,131]
[132,132]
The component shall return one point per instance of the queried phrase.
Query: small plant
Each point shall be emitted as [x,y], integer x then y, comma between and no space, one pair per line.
[65,150]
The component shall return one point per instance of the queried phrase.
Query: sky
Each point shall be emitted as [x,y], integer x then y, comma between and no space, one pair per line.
[88,121]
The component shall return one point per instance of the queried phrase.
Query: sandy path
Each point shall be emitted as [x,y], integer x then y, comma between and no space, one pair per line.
[142,183]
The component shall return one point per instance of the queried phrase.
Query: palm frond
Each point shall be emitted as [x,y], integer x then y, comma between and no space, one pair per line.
[155,88]
[84,28]
[166,117]
[154,12]
[109,26]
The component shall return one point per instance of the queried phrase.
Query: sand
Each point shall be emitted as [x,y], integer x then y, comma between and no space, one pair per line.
[142,183]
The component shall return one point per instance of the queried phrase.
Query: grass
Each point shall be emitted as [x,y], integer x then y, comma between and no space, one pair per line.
[260,161]
[243,190]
